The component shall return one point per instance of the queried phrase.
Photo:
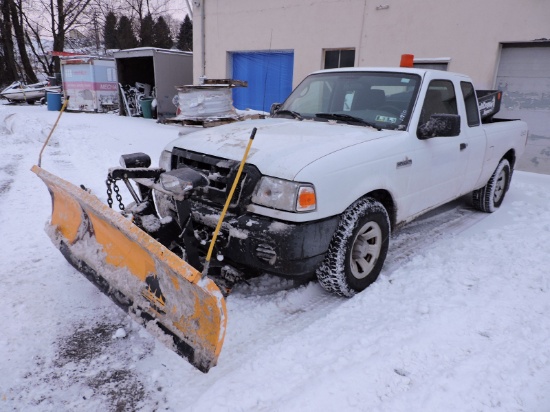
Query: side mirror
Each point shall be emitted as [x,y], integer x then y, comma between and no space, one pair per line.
[440,125]
[274,108]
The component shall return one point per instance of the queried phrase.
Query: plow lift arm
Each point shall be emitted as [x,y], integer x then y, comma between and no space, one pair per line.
[168,295]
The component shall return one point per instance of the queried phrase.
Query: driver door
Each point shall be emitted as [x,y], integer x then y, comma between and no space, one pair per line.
[439,163]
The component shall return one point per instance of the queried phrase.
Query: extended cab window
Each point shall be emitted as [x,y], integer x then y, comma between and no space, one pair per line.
[440,99]
[470,102]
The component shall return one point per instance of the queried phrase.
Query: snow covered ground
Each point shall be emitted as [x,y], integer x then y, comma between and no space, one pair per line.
[459,319]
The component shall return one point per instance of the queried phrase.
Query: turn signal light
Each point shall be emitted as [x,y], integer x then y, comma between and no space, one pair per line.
[306,199]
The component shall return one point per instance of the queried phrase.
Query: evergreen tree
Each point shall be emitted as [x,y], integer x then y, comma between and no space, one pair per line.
[109,31]
[126,39]
[185,35]
[161,34]
[146,31]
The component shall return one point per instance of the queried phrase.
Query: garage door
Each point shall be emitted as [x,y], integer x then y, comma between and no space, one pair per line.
[524,77]
[269,77]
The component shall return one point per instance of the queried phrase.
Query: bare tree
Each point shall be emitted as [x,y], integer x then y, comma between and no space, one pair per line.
[141,8]
[7,43]
[62,16]
[60,25]
[43,57]
[17,20]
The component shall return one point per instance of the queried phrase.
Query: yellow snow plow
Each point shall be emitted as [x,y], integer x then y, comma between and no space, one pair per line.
[132,256]
[184,309]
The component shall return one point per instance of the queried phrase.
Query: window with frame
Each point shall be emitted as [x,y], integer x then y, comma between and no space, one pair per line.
[339,58]
[470,102]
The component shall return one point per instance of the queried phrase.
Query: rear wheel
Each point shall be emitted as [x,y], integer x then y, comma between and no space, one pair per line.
[490,197]
[357,250]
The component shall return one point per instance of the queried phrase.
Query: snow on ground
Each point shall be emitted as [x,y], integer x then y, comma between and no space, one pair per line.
[458,320]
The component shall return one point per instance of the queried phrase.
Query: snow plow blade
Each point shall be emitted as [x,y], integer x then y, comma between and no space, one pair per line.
[168,296]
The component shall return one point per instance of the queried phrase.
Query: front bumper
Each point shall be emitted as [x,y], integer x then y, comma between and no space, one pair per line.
[261,244]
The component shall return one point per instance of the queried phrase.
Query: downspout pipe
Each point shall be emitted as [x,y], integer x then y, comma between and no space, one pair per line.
[203,38]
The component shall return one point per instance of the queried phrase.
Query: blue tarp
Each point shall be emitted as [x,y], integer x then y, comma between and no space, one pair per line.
[269,77]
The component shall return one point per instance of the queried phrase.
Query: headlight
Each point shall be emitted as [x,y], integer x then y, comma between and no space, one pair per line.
[181,181]
[174,184]
[285,195]
[165,161]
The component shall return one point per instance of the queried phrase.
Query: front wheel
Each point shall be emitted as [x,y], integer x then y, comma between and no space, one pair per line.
[490,197]
[357,250]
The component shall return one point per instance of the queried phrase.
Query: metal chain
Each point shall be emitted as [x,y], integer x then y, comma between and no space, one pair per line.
[109,192]
[118,196]
[110,181]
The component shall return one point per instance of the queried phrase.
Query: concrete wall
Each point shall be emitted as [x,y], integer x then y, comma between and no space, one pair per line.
[468,32]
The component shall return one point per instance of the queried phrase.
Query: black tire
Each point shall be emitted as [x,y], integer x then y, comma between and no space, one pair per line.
[490,197]
[357,250]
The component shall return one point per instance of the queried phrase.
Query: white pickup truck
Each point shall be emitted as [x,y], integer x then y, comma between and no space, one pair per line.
[351,155]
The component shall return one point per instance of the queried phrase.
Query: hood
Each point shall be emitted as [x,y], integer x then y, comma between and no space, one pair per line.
[282,147]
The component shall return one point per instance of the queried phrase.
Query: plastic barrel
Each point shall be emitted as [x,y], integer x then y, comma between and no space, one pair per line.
[146,108]
[54,101]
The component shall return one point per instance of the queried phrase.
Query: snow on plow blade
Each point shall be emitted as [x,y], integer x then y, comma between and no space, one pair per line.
[184,310]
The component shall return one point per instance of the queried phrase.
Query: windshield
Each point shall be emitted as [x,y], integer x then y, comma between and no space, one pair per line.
[384,100]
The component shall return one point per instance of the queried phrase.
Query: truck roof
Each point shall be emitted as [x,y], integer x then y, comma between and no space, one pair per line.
[421,72]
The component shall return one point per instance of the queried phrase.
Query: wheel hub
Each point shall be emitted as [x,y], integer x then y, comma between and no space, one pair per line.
[500,185]
[365,250]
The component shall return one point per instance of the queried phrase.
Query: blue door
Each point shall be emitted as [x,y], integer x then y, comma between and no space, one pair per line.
[269,77]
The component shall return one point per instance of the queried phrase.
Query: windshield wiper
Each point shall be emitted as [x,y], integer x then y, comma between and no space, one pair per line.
[347,117]
[294,114]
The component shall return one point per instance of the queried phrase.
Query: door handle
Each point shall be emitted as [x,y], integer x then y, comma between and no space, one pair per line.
[463,146]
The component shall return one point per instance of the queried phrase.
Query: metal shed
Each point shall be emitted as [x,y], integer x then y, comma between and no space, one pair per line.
[162,69]
[90,82]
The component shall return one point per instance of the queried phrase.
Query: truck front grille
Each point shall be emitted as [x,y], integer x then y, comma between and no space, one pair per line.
[220,173]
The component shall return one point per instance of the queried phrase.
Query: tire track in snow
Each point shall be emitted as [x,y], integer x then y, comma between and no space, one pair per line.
[262,320]
[442,223]
[8,161]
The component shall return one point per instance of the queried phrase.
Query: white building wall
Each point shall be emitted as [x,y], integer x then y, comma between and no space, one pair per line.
[469,32]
